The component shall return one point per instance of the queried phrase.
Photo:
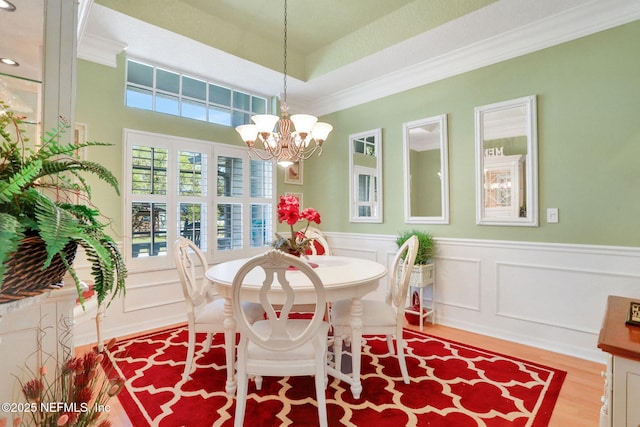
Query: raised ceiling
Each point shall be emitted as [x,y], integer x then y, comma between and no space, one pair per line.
[340,52]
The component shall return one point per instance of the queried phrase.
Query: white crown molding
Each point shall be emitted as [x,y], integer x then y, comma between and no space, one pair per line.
[569,25]
[504,30]
[100,49]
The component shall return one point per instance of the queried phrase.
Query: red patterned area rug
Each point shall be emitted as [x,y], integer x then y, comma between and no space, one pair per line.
[452,385]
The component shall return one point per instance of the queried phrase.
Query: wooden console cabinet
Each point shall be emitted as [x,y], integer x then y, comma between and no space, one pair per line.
[620,406]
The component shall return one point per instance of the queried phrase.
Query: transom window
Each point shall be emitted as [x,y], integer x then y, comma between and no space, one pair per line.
[168,194]
[156,89]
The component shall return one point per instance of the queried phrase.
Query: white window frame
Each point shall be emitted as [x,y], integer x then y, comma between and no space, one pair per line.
[181,98]
[246,200]
[174,144]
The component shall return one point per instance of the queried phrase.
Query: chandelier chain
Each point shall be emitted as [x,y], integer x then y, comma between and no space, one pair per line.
[284,99]
[296,138]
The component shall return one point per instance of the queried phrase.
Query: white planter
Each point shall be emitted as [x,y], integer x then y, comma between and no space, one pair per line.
[422,275]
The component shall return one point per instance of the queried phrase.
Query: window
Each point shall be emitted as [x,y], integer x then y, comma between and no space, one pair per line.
[244,196]
[168,195]
[156,89]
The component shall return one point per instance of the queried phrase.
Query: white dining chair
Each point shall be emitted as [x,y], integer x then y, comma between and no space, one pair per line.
[380,317]
[319,246]
[280,345]
[205,308]
[319,241]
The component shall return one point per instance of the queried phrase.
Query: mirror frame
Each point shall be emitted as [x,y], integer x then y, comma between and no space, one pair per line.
[353,207]
[444,171]
[531,161]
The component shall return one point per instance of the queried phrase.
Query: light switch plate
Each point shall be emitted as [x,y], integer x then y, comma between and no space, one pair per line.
[552,215]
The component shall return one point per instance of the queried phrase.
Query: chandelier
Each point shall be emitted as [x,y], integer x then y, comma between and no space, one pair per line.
[296,137]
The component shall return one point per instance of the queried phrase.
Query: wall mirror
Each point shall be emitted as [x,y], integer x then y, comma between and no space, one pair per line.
[506,163]
[365,170]
[426,171]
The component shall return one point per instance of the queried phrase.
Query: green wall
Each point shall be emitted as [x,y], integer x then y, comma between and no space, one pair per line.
[588,93]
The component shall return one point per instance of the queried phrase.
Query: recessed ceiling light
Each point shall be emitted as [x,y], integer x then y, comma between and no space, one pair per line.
[8,6]
[9,61]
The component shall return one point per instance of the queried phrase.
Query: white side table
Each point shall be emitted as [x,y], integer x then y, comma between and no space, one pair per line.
[423,275]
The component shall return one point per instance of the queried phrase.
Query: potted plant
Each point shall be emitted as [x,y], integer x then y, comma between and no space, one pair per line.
[45,213]
[423,257]
[423,270]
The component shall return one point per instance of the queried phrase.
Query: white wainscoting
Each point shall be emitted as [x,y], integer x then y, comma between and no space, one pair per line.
[546,295]
[153,299]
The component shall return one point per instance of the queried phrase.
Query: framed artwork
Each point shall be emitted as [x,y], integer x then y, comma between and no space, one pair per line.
[293,174]
[297,196]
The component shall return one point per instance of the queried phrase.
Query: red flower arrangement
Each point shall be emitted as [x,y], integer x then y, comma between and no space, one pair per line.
[289,212]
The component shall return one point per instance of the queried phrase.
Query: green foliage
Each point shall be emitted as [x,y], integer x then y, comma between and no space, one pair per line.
[37,190]
[425,244]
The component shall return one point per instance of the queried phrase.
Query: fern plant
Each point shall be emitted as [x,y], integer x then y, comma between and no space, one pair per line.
[44,192]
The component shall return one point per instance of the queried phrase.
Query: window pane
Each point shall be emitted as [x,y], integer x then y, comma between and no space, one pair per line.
[139,98]
[167,104]
[258,105]
[220,95]
[194,88]
[167,81]
[241,101]
[192,178]
[261,230]
[229,226]
[192,220]
[239,118]
[149,170]
[194,110]
[149,229]
[140,74]
[219,115]
[261,177]
[229,176]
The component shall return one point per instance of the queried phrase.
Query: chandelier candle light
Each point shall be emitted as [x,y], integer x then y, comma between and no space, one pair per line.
[297,137]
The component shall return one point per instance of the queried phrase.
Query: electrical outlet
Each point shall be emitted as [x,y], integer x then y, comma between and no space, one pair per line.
[552,215]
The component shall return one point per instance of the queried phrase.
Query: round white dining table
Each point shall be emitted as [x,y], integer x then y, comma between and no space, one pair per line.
[343,278]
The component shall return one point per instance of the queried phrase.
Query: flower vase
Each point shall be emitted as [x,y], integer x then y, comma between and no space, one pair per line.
[294,251]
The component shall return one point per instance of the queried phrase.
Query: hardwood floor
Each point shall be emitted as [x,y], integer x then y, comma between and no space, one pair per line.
[577,406]
[579,401]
